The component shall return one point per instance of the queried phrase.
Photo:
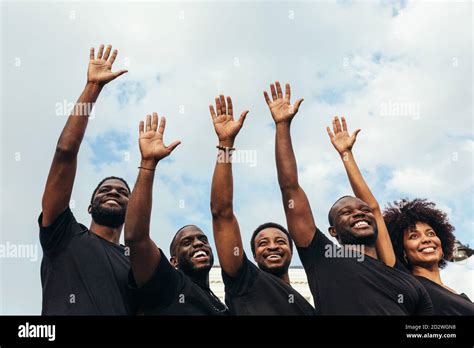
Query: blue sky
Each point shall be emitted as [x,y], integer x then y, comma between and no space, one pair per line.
[345,58]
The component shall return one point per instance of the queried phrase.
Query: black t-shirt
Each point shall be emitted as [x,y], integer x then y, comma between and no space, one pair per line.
[256,292]
[359,285]
[446,302]
[171,292]
[82,273]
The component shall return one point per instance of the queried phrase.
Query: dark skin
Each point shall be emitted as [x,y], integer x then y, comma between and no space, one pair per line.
[272,250]
[188,242]
[346,213]
[63,168]
[144,253]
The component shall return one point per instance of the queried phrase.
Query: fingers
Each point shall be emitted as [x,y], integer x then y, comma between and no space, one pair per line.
[223,106]
[274,94]
[107,52]
[161,130]
[267,98]
[148,123]
[287,91]
[218,106]
[141,128]
[213,113]
[154,122]
[243,116]
[331,135]
[297,105]
[173,146]
[230,110]
[344,124]
[334,127]
[91,53]
[113,56]
[338,125]
[278,88]
[101,51]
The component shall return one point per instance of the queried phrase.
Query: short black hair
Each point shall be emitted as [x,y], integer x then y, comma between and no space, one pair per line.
[404,214]
[330,219]
[109,178]
[269,225]
[173,241]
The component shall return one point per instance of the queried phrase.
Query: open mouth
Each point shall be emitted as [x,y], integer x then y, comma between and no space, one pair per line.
[273,257]
[200,255]
[428,250]
[111,201]
[361,224]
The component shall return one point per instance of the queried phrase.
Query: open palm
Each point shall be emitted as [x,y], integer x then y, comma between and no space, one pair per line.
[340,139]
[280,107]
[151,142]
[224,124]
[100,67]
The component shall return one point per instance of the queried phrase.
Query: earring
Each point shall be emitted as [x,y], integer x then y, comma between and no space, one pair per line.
[405,257]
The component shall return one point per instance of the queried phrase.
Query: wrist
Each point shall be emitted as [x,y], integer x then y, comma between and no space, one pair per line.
[345,154]
[283,124]
[94,86]
[226,143]
[148,163]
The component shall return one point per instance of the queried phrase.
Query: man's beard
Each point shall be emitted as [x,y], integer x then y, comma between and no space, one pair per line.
[347,238]
[276,271]
[188,268]
[110,217]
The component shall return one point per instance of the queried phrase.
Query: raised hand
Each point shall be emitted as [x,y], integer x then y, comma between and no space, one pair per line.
[340,139]
[151,142]
[224,124]
[280,107]
[100,68]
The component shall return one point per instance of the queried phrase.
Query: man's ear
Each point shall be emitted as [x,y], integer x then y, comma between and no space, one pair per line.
[174,261]
[89,209]
[332,232]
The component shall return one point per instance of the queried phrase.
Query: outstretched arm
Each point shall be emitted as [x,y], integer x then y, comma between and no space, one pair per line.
[61,176]
[224,223]
[144,254]
[298,213]
[343,143]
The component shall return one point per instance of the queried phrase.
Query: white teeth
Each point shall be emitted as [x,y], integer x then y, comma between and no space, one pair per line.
[361,224]
[428,250]
[199,253]
[274,257]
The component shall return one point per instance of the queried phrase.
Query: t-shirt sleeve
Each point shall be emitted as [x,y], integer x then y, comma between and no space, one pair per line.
[161,289]
[243,280]
[56,236]
[315,251]
[401,267]
[425,306]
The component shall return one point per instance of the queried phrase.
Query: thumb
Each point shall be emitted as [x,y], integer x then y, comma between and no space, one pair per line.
[243,116]
[297,105]
[354,135]
[173,146]
[119,72]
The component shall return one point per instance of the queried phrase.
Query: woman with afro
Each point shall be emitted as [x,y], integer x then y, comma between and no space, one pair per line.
[423,241]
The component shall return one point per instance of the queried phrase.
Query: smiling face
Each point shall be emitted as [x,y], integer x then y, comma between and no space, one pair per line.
[353,222]
[109,204]
[422,245]
[272,251]
[192,252]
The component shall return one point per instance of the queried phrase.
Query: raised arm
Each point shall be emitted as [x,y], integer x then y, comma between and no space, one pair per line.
[224,223]
[343,143]
[298,213]
[57,192]
[144,254]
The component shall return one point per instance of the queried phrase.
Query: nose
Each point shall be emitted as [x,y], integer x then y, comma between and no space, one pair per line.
[197,242]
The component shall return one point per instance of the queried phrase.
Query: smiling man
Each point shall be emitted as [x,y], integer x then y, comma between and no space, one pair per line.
[84,270]
[250,290]
[179,286]
[354,283]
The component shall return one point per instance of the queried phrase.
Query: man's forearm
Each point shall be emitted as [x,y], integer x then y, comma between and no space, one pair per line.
[358,184]
[137,220]
[285,157]
[222,184]
[71,137]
